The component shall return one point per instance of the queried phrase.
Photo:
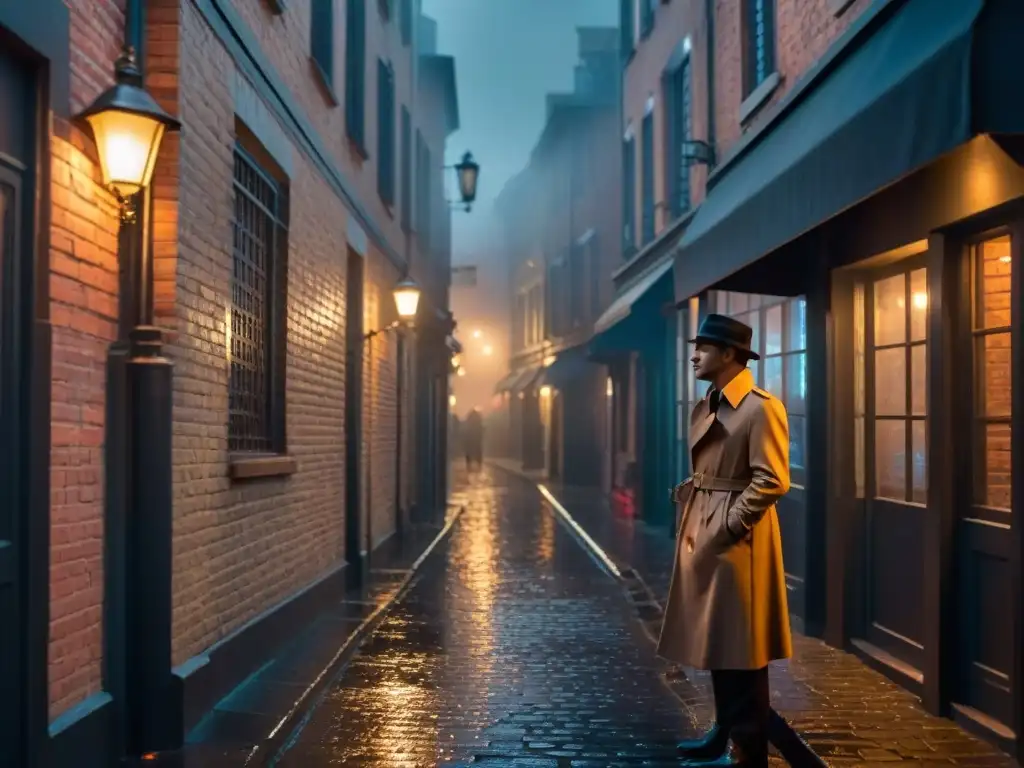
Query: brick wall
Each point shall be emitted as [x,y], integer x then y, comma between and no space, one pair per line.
[804,31]
[242,547]
[993,484]
[83,290]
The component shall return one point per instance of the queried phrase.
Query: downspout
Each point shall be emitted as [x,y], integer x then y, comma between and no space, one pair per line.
[709,19]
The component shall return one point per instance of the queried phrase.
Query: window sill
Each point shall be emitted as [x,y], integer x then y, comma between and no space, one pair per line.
[759,97]
[357,147]
[838,7]
[253,466]
[324,81]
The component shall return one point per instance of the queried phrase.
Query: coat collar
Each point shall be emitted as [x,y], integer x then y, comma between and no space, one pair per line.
[737,389]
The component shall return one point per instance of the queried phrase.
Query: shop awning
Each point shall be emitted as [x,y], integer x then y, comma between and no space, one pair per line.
[900,97]
[569,364]
[518,380]
[622,305]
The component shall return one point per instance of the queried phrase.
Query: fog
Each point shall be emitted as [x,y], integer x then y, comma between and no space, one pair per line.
[509,55]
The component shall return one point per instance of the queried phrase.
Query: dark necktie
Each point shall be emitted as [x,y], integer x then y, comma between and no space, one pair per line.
[713,400]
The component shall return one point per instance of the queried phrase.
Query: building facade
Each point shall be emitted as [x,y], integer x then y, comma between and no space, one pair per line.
[560,245]
[282,215]
[862,210]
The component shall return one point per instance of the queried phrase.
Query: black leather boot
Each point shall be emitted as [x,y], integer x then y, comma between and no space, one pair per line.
[710,746]
[791,746]
[733,757]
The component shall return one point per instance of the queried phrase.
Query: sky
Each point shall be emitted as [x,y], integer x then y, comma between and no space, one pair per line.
[508,55]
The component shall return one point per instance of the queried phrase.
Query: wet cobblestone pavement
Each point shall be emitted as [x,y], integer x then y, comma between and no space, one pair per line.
[850,714]
[511,648]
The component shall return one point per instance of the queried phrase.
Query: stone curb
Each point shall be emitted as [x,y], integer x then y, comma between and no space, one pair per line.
[269,749]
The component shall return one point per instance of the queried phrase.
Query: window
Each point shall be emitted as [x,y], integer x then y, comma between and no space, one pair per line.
[759,43]
[594,265]
[627,30]
[898,373]
[646,17]
[256,335]
[779,335]
[688,320]
[384,8]
[628,196]
[993,377]
[406,169]
[321,38]
[355,72]
[679,129]
[647,179]
[577,284]
[423,218]
[405,21]
[386,132]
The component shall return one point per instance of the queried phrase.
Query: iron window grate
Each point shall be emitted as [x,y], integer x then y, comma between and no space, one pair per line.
[257,237]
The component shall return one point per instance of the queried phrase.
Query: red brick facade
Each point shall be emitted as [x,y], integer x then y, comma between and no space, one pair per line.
[804,31]
[240,547]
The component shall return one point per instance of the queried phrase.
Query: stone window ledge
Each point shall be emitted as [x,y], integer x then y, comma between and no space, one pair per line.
[759,97]
[250,467]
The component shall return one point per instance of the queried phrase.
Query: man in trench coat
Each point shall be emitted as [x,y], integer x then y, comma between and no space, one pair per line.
[727,609]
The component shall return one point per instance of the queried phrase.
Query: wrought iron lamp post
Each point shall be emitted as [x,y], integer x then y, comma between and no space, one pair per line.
[407,301]
[128,127]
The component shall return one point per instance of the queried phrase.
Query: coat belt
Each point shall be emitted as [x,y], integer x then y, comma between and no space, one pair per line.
[705,482]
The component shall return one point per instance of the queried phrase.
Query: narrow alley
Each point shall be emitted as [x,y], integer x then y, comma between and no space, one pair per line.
[512,647]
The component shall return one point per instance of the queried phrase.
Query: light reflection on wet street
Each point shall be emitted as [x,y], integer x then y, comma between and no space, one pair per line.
[512,648]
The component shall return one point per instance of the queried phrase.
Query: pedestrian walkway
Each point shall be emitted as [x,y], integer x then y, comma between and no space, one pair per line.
[850,714]
[512,647]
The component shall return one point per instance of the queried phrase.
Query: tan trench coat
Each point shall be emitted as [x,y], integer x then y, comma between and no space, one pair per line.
[727,606]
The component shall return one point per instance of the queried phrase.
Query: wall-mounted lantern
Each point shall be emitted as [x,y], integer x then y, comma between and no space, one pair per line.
[468,172]
[128,126]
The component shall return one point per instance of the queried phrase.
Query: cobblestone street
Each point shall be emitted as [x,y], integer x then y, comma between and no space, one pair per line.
[512,647]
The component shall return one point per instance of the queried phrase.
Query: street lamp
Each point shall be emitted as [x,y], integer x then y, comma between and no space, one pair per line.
[468,171]
[407,299]
[128,126]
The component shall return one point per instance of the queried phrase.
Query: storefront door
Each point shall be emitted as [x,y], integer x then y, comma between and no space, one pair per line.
[892,364]
[15,139]
[983,538]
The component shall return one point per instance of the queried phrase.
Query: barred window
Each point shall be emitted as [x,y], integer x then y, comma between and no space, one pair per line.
[256,336]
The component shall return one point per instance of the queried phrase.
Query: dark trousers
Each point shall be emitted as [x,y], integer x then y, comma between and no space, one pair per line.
[743,709]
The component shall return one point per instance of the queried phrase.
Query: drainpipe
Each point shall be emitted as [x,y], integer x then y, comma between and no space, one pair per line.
[709,20]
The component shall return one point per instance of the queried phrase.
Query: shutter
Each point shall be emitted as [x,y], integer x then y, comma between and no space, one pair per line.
[355,71]
[628,197]
[383,140]
[626,27]
[405,21]
[406,168]
[647,176]
[321,37]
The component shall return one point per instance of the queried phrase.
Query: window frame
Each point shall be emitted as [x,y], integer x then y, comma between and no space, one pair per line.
[275,301]
[986,512]
[871,417]
[677,86]
[752,79]
[759,305]
[355,74]
[386,132]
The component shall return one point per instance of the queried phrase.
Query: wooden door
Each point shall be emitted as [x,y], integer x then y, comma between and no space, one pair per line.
[895,461]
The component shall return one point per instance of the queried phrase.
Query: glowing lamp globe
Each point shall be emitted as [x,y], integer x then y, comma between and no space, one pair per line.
[469,172]
[407,299]
[128,126]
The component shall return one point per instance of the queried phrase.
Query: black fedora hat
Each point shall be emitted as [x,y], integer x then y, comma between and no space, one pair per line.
[724,330]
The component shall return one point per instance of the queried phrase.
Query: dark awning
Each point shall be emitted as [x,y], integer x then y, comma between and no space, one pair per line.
[622,305]
[568,365]
[900,97]
[628,323]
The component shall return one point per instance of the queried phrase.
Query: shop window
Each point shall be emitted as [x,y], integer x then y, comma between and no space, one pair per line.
[779,335]
[993,378]
[899,363]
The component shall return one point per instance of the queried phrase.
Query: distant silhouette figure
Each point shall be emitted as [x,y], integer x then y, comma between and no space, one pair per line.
[473,439]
